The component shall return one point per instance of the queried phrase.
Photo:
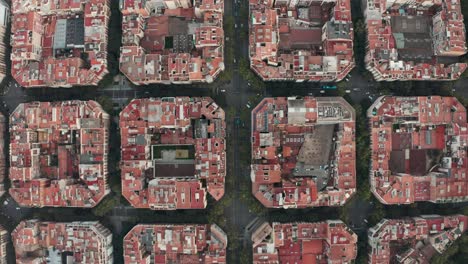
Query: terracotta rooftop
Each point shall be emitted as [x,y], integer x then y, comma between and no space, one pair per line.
[182,244]
[74,242]
[414,240]
[415,39]
[303,152]
[59,43]
[306,41]
[172,41]
[172,148]
[329,242]
[58,154]
[418,149]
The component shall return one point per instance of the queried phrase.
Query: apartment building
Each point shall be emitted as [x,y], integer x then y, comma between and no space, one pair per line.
[414,240]
[418,149]
[58,154]
[173,152]
[172,41]
[306,40]
[182,244]
[329,242]
[414,39]
[59,43]
[303,152]
[51,242]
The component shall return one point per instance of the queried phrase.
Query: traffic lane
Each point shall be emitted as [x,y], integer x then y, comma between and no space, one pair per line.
[12,211]
[15,95]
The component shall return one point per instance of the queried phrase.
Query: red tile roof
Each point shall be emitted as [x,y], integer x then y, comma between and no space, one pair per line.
[311,41]
[183,244]
[304,243]
[50,242]
[414,240]
[180,43]
[176,124]
[34,60]
[417,149]
[286,171]
[388,46]
[58,154]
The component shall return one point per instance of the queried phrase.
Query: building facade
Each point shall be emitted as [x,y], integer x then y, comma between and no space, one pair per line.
[3,245]
[4,20]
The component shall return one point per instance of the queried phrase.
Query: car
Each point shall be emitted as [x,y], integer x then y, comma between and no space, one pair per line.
[322,91]
[348,91]
[247,105]
[223,90]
